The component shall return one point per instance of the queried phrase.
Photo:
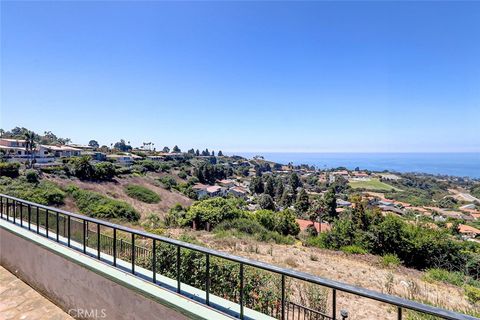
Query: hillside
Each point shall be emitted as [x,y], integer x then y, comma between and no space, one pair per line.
[115,189]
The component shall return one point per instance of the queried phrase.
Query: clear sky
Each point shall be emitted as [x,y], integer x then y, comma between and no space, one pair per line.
[251,76]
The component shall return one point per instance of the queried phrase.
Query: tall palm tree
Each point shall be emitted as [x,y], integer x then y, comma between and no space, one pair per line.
[30,145]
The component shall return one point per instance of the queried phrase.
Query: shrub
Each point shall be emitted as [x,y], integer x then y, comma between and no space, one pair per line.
[104,171]
[436,274]
[353,249]
[141,193]
[82,168]
[32,176]
[472,293]
[212,211]
[390,260]
[168,182]
[100,206]
[9,169]
[43,192]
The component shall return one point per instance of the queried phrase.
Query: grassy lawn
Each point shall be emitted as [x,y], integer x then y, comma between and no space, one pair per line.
[373,184]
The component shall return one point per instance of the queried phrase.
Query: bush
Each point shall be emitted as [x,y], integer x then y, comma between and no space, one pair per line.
[43,192]
[100,206]
[391,260]
[32,176]
[472,293]
[436,274]
[141,193]
[168,182]
[9,169]
[104,171]
[253,228]
[212,211]
[353,249]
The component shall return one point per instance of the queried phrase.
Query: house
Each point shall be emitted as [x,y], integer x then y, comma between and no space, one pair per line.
[343,203]
[391,209]
[80,146]
[238,191]
[95,155]
[360,176]
[200,189]
[62,151]
[214,191]
[320,227]
[15,150]
[121,159]
[227,183]
[386,203]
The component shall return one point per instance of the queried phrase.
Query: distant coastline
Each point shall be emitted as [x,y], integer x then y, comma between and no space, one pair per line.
[452,164]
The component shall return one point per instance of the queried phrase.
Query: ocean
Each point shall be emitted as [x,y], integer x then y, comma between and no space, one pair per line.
[453,164]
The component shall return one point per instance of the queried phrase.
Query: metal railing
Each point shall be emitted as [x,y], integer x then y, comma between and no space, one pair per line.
[23,212]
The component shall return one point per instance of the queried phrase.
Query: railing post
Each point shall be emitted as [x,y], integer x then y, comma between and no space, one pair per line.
[98,241]
[29,217]
[399,314]
[334,304]
[8,216]
[207,279]
[154,261]
[133,253]
[283,297]
[114,247]
[21,214]
[46,221]
[14,207]
[1,207]
[68,231]
[38,219]
[84,236]
[57,228]
[241,290]
[178,269]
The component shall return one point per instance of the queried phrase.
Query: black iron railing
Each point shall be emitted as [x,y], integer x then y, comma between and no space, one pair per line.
[80,229]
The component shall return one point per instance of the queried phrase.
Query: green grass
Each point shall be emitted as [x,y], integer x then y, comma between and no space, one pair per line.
[141,193]
[373,184]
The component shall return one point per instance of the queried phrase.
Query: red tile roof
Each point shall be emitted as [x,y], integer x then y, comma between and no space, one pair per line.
[305,223]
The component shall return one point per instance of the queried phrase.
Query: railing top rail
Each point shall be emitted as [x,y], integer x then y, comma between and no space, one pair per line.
[367,293]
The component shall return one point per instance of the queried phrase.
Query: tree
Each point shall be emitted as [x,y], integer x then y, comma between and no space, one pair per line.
[94,144]
[122,146]
[278,189]
[166,150]
[197,153]
[82,168]
[330,203]
[176,149]
[220,153]
[213,153]
[265,202]
[191,151]
[287,197]
[303,203]
[256,185]
[294,181]
[269,188]
[30,145]
[359,216]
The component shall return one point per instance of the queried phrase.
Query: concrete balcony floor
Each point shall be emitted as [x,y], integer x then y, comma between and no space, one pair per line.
[20,301]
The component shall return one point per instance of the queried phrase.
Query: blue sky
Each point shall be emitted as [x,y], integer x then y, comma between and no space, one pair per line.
[251,76]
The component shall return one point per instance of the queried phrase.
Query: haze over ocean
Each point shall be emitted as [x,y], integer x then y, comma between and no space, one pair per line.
[454,164]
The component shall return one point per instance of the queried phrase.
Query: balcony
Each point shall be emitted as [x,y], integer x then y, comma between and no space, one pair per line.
[81,262]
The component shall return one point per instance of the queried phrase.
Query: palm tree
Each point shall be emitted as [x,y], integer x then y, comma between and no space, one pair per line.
[2,132]
[30,144]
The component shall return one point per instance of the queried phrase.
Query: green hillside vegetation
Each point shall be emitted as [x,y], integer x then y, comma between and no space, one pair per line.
[99,206]
[372,185]
[43,192]
[141,193]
